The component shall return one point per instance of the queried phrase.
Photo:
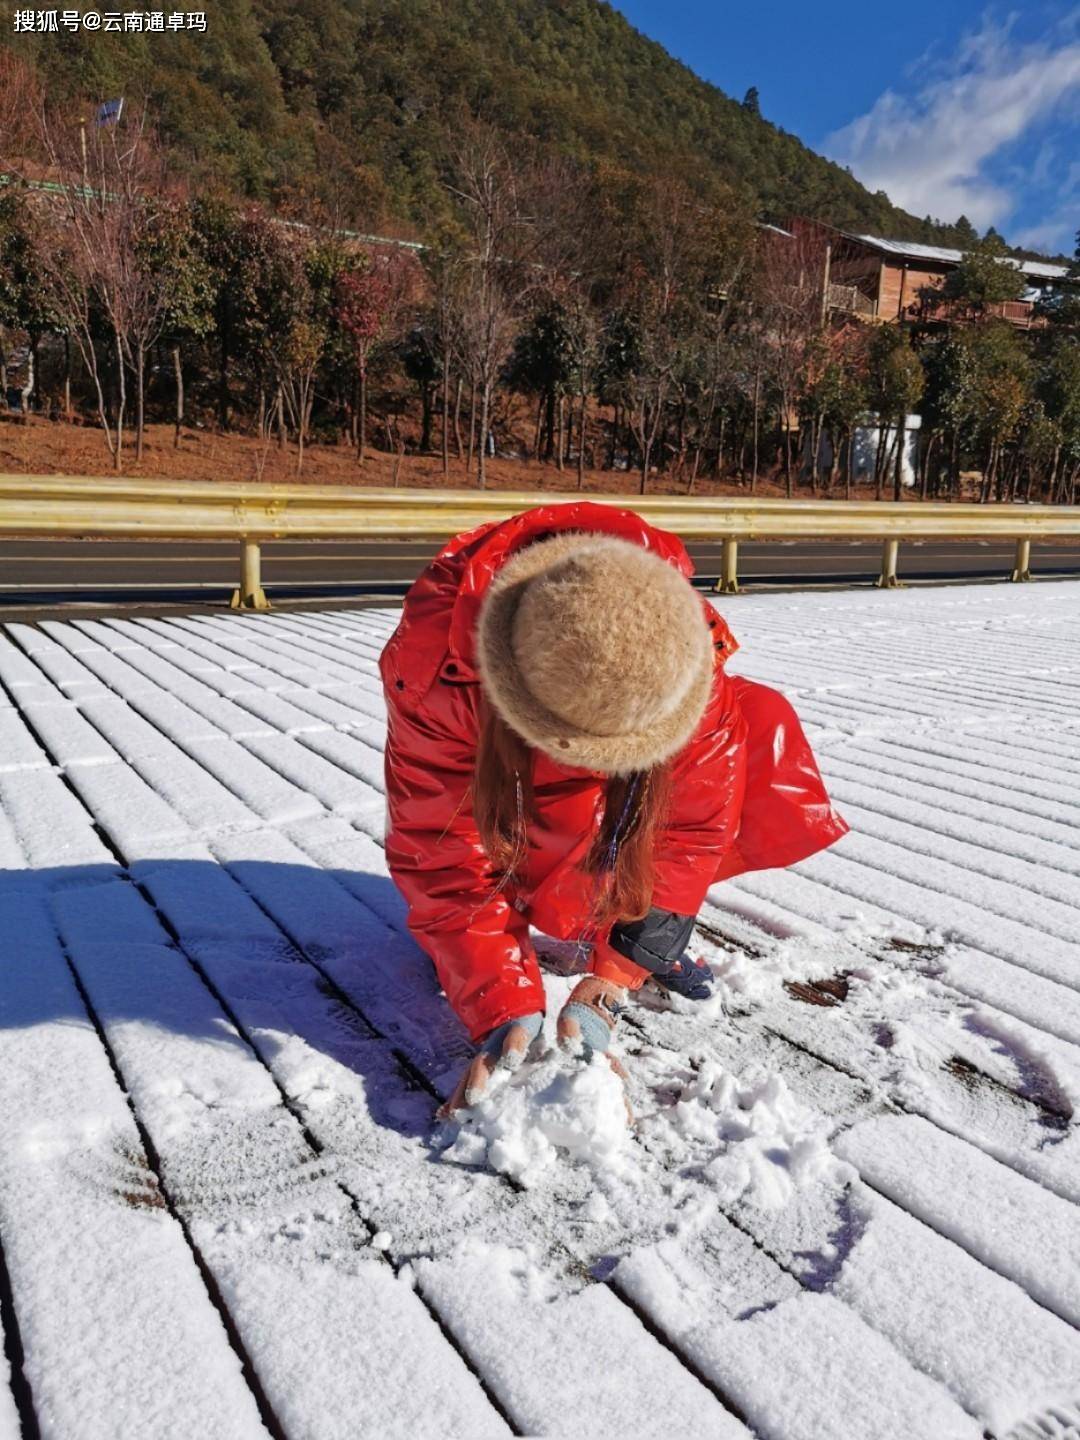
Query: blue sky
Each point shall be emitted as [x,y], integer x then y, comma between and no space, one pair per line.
[951,107]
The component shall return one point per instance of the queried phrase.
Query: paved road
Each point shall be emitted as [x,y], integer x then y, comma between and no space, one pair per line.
[55,572]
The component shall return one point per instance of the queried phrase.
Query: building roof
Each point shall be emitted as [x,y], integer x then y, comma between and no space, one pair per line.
[909,250]
[776,229]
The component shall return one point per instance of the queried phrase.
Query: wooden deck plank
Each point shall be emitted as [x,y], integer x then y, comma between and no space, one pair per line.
[118,1332]
[345,928]
[84,914]
[10,1425]
[746,1288]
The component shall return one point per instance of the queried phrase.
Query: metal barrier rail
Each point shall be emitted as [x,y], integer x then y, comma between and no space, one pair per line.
[253,514]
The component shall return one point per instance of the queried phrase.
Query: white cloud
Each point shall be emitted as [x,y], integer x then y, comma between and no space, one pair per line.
[1055,236]
[928,149]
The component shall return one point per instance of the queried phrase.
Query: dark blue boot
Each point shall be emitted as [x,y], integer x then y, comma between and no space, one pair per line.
[657,943]
[692,979]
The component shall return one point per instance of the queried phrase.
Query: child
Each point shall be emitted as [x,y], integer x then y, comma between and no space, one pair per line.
[566,750]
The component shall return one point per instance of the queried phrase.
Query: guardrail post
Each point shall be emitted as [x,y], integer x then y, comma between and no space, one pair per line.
[1022,568]
[251,595]
[887,580]
[728,583]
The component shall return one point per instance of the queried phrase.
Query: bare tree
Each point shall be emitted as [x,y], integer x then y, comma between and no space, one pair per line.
[20,105]
[371,305]
[571,255]
[791,310]
[663,293]
[103,265]
[501,261]
[443,268]
[79,261]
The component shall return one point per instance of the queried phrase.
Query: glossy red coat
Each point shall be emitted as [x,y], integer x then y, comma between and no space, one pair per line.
[747,794]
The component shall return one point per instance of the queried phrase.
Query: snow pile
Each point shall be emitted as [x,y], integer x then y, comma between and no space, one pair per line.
[558,1104]
[765,1144]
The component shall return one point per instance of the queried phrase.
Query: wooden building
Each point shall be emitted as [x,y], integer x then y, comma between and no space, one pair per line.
[883,280]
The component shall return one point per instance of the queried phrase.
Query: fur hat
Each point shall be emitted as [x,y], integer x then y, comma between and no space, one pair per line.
[595,651]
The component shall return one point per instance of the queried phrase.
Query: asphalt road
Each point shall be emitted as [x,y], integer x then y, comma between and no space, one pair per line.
[55,573]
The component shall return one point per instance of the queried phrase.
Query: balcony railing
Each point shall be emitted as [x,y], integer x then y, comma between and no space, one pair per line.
[852,300]
[1018,312]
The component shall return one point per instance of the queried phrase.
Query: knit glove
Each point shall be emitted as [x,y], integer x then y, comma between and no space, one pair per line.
[588,1019]
[587,1024]
[504,1049]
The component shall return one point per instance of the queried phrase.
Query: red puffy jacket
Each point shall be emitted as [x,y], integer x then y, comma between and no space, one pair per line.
[747,794]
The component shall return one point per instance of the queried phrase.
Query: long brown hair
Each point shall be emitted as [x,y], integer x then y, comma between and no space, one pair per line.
[621,856]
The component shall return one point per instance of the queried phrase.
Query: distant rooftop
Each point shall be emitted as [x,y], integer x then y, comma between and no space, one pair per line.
[1041,269]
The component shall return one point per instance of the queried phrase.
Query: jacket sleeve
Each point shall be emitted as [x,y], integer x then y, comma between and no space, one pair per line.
[708,783]
[476,939]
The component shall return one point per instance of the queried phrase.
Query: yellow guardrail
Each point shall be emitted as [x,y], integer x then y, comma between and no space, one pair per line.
[253,514]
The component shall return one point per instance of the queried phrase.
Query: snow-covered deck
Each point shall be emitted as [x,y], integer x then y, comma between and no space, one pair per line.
[848,1210]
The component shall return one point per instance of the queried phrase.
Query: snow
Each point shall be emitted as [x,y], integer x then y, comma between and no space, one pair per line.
[9,1418]
[787,1361]
[51,828]
[105,1285]
[567,1362]
[17,748]
[846,1203]
[755,1142]
[558,1106]
[913,250]
[1016,1227]
[997,1352]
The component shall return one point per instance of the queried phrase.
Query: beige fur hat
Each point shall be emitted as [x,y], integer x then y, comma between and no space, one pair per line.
[595,651]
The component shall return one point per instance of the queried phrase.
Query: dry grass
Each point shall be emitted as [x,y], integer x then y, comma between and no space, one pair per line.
[45,447]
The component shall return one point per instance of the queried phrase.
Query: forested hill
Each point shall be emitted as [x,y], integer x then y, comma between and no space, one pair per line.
[353,98]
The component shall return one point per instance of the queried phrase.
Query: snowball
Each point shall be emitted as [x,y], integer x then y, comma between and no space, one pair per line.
[558,1104]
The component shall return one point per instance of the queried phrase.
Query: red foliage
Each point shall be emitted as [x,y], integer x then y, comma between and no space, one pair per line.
[369,302]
